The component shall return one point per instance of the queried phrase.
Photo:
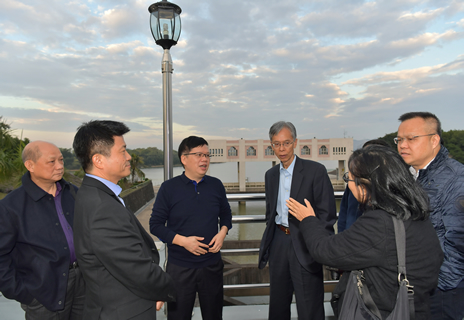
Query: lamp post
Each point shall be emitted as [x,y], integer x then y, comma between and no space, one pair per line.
[165,27]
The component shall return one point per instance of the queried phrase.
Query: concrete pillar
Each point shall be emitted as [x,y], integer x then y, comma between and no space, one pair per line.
[242,208]
[341,169]
[242,176]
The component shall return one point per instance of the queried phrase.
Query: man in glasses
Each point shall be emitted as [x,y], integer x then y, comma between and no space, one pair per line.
[191,205]
[421,146]
[291,267]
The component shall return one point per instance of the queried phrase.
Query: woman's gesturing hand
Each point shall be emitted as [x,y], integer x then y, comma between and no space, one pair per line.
[298,210]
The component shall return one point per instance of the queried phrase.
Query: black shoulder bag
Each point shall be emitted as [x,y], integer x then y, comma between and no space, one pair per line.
[357,301]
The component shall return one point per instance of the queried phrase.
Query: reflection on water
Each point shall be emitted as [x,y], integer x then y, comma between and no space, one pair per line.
[247,231]
[251,231]
[226,172]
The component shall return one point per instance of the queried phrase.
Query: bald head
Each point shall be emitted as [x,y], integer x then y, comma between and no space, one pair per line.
[32,151]
[44,161]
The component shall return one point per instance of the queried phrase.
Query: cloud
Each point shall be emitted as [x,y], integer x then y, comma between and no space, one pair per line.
[436,89]
[238,67]
[124,20]
[411,76]
[461,23]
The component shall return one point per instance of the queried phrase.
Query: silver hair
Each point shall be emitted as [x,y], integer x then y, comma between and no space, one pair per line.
[278,126]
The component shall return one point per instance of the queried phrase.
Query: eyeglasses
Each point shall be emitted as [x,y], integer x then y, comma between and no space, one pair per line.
[346,177]
[286,144]
[399,140]
[199,155]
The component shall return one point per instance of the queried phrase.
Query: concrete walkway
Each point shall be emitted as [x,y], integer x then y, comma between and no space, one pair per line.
[248,312]
[11,310]
[143,214]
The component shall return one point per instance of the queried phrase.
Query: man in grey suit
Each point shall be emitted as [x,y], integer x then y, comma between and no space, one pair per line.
[117,257]
[291,267]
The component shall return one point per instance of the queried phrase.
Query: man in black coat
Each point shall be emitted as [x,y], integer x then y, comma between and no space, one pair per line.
[118,258]
[37,258]
[291,267]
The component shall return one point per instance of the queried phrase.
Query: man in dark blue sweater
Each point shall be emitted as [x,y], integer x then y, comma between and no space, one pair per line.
[349,211]
[191,205]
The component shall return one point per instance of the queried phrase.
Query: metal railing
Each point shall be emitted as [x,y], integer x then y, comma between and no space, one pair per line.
[262,196]
[328,284]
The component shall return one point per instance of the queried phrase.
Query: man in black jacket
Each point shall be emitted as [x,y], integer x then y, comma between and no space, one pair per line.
[291,267]
[118,258]
[37,259]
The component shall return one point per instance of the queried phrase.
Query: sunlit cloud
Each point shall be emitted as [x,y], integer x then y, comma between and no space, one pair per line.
[238,67]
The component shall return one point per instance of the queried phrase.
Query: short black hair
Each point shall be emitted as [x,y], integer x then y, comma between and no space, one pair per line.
[96,136]
[428,117]
[378,142]
[388,183]
[188,144]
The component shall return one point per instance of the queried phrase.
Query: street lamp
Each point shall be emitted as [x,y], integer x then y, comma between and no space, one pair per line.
[165,27]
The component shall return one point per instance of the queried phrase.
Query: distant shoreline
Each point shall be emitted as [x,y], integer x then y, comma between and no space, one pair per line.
[160,166]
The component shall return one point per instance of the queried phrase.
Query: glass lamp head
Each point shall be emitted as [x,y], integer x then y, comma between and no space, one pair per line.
[165,23]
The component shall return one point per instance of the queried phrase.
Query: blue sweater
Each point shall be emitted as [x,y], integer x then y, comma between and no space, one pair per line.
[349,211]
[190,209]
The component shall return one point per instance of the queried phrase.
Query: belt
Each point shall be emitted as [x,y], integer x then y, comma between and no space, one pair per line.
[284,229]
[73,265]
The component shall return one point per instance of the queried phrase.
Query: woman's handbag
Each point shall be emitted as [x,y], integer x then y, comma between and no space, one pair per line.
[357,301]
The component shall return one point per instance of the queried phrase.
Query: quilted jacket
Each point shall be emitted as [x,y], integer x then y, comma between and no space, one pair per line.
[443,180]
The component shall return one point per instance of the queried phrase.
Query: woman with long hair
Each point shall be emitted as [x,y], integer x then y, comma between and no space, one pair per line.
[384,187]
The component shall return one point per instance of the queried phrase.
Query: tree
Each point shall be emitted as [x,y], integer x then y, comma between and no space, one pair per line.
[70,160]
[153,156]
[135,162]
[11,148]
[388,138]
[453,140]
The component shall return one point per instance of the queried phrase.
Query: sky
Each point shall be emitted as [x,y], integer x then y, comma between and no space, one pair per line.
[334,68]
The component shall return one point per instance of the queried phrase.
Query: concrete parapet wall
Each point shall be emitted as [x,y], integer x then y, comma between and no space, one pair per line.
[136,197]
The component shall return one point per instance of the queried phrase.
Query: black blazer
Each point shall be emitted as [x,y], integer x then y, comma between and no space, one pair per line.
[117,257]
[309,181]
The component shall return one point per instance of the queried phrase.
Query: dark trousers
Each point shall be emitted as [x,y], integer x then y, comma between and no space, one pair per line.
[73,304]
[206,281]
[447,304]
[288,276]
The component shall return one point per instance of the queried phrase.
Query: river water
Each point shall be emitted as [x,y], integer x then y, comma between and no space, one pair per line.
[227,172]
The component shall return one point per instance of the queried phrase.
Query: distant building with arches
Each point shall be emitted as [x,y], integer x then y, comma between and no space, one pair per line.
[242,150]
